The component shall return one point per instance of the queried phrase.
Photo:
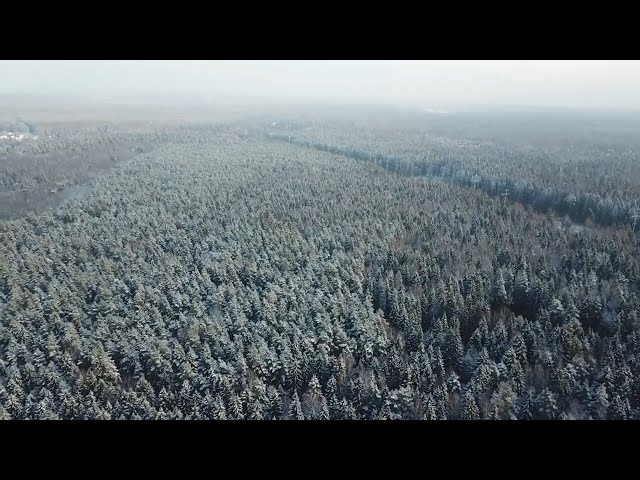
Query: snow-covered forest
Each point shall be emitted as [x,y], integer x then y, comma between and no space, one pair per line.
[389,267]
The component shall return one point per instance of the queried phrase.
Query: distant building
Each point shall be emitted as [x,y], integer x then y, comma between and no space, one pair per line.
[15,136]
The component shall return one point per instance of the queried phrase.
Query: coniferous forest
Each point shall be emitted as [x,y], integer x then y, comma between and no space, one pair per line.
[322,266]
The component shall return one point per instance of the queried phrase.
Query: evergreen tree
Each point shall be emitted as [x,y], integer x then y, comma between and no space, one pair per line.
[499,293]
[295,409]
[469,408]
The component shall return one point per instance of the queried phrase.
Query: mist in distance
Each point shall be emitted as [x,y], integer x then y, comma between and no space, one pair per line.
[435,86]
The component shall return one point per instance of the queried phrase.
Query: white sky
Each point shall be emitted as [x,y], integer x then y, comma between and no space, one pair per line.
[508,82]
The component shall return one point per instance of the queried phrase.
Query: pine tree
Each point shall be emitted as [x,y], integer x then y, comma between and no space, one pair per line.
[324,412]
[336,408]
[275,405]
[620,409]
[499,293]
[255,410]
[454,346]
[430,412]
[521,288]
[546,405]
[4,415]
[557,314]
[295,409]
[599,403]
[219,411]
[313,399]
[469,408]
[526,407]
[235,407]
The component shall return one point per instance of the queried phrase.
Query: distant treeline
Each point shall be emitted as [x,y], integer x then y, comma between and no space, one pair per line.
[578,206]
[18,126]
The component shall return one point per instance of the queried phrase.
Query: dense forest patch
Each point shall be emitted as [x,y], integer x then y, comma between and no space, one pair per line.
[33,183]
[223,275]
[43,173]
[598,182]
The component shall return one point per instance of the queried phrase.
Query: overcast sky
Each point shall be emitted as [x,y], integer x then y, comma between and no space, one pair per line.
[424,83]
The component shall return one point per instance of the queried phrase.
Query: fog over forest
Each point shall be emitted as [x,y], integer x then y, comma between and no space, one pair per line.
[430,84]
[320,240]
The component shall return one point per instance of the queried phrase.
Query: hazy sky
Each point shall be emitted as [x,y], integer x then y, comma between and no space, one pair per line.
[425,83]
